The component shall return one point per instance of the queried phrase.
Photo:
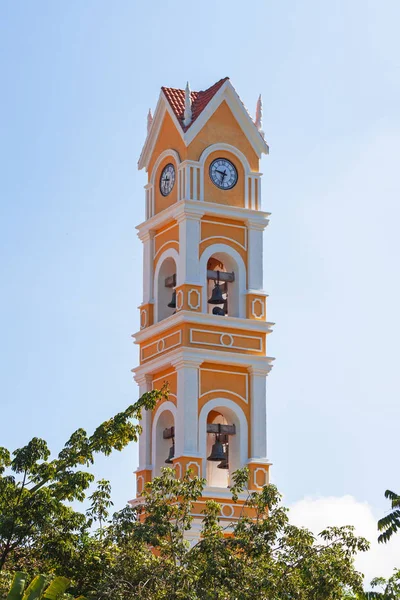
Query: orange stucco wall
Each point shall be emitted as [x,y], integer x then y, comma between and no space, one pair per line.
[223,127]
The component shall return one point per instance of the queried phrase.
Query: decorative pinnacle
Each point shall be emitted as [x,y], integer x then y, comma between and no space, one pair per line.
[259,114]
[188,107]
[258,121]
[149,120]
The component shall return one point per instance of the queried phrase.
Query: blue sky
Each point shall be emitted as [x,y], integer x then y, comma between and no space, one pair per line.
[77,80]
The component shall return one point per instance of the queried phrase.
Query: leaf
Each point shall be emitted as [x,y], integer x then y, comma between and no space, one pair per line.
[35,588]
[18,586]
[57,587]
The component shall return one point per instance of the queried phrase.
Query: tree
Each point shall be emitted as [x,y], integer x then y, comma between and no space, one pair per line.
[34,488]
[264,556]
[141,551]
[391,522]
[390,589]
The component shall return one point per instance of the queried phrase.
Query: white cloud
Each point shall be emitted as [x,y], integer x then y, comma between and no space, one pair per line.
[317,513]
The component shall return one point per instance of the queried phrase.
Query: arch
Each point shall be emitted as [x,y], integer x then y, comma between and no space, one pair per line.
[233,412]
[162,295]
[234,262]
[227,148]
[159,160]
[159,446]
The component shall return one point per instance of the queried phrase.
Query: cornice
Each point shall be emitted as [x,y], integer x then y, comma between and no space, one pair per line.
[187,316]
[193,354]
[198,208]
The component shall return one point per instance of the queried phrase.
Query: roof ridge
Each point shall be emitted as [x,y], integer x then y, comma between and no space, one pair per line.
[200,99]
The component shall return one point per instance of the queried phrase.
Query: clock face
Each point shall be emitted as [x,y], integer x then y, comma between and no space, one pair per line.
[223,173]
[167,179]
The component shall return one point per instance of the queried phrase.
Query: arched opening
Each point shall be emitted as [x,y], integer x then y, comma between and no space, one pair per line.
[222,447]
[166,282]
[163,441]
[223,283]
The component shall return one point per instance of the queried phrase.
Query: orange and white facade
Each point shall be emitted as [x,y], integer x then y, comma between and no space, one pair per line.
[204,215]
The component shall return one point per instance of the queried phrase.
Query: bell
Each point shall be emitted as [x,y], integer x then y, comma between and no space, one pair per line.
[224,464]
[216,296]
[217,452]
[217,310]
[171,455]
[172,304]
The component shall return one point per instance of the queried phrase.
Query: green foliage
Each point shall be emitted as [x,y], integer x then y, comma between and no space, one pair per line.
[34,488]
[390,524]
[142,552]
[264,556]
[37,589]
[389,589]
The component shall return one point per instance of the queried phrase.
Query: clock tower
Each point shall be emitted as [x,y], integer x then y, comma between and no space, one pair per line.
[203,326]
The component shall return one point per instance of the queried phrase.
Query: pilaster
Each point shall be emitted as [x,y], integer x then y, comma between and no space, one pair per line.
[144,470]
[145,383]
[186,426]
[189,241]
[255,254]
[258,415]
[147,237]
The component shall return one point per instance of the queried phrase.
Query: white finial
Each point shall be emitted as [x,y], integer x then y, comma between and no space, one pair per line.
[149,120]
[258,120]
[188,107]
[259,114]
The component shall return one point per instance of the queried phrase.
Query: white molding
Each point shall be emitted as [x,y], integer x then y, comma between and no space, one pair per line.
[226,148]
[209,221]
[240,276]
[169,253]
[197,292]
[179,299]
[245,375]
[160,345]
[226,92]
[223,237]
[183,354]
[265,462]
[194,208]
[224,391]
[152,135]
[165,244]
[164,230]
[221,344]
[169,152]
[242,430]
[167,405]
[198,318]
[262,311]
[163,377]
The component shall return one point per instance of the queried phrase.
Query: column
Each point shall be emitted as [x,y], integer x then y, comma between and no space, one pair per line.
[255,254]
[147,239]
[145,383]
[186,425]
[258,413]
[189,241]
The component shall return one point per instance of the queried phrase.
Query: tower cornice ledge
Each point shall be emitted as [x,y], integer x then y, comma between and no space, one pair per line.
[193,355]
[187,316]
[197,209]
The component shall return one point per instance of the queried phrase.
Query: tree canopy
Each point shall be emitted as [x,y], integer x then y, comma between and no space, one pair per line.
[142,550]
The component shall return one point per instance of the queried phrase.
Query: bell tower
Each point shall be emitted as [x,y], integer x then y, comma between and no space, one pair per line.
[203,326]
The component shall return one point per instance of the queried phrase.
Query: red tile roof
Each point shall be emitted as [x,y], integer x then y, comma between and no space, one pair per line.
[176,98]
